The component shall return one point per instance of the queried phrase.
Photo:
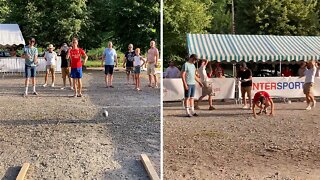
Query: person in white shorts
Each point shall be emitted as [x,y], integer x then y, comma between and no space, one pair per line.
[152,60]
[207,89]
[309,73]
[51,58]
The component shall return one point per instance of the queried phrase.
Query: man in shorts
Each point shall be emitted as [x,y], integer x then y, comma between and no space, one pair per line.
[245,77]
[128,63]
[65,65]
[310,73]
[75,53]
[207,89]
[189,79]
[30,54]
[51,58]
[109,57]
[152,60]
[262,100]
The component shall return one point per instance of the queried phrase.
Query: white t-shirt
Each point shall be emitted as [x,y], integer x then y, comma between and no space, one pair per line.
[172,72]
[310,74]
[203,74]
[51,57]
[136,61]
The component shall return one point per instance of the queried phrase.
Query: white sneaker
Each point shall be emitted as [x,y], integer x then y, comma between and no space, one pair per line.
[52,85]
[63,87]
[308,107]
[71,88]
[245,107]
[314,103]
[45,85]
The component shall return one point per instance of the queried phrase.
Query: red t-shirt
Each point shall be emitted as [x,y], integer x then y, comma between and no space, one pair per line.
[256,97]
[75,55]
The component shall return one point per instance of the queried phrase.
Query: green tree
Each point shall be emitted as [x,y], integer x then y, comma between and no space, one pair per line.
[136,22]
[4,10]
[182,17]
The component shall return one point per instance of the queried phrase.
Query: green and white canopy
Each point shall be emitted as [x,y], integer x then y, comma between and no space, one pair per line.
[221,47]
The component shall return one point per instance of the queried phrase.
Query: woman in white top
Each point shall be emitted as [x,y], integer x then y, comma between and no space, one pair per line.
[137,68]
[51,58]
[310,73]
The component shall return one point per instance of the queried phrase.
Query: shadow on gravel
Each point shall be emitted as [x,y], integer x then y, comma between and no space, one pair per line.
[11,173]
[133,122]
[213,115]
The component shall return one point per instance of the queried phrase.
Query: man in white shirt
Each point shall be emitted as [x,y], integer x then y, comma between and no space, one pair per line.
[309,73]
[207,89]
[51,58]
[172,71]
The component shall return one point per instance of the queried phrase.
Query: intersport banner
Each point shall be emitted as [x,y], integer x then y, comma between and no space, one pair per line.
[287,87]
[224,88]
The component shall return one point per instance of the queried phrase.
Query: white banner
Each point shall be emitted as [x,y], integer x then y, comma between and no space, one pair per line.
[287,87]
[173,90]
[10,64]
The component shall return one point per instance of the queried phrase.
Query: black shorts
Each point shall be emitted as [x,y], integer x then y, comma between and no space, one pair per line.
[108,69]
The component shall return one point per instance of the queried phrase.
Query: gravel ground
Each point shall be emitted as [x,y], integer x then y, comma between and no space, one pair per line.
[228,143]
[69,138]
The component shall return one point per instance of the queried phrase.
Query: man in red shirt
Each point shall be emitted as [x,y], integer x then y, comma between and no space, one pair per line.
[263,100]
[75,53]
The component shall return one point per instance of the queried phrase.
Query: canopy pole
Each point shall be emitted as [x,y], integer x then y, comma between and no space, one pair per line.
[234,69]
[280,68]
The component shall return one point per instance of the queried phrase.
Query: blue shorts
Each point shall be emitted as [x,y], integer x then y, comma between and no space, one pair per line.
[190,92]
[137,69]
[108,69]
[76,73]
[30,71]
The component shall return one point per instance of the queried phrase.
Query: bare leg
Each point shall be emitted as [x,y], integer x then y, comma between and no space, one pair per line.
[250,99]
[53,76]
[155,80]
[106,79]
[80,86]
[244,102]
[64,81]
[150,80]
[46,77]
[70,81]
[75,86]
[133,78]
[111,79]
[136,81]
[210,101]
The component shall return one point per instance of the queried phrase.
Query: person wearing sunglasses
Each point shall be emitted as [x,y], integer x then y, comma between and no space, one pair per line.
[30,54]
[128,63]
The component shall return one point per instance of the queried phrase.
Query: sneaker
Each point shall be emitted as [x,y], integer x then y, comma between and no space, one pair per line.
[195,114]
[156,86]
[63,87]
[211,108]
[35,93]
[308,107]
[314,103]
[138,89]
[71,88]
[188,115]
[25,94]
[245,107]
[52,85]
[45,85]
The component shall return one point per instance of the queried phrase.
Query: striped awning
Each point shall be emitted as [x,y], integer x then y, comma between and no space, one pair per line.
[221,47]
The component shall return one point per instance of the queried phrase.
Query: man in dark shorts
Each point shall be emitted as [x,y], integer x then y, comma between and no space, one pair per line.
[245,77]
[189,79]
[128,63]
[110,59]
[262,100]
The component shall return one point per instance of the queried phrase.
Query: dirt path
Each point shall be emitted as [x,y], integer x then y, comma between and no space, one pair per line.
[228,143]
[69,138]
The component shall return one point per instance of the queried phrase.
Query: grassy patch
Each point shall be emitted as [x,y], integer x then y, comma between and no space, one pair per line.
[94,63]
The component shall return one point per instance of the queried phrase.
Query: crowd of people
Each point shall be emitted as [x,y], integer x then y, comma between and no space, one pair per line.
[73,58]
[191,76]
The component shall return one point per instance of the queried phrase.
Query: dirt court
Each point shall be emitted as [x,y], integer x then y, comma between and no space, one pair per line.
[228,143]
[69,138]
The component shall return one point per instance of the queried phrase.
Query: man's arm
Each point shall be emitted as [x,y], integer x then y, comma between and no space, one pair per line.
[85,58]
[198,80]
[157,57]
[103,58]
[183,76]
[35,57]
[116,59]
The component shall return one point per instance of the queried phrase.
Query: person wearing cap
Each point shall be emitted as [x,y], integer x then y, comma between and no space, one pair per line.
[110,60]
[75,54]
[51,58]
[172,71]
[189,79]
[128,63]
[30,54]
[245,77]
[262,100]
[65,65]
[152,60]
[309,73]
[207,89]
